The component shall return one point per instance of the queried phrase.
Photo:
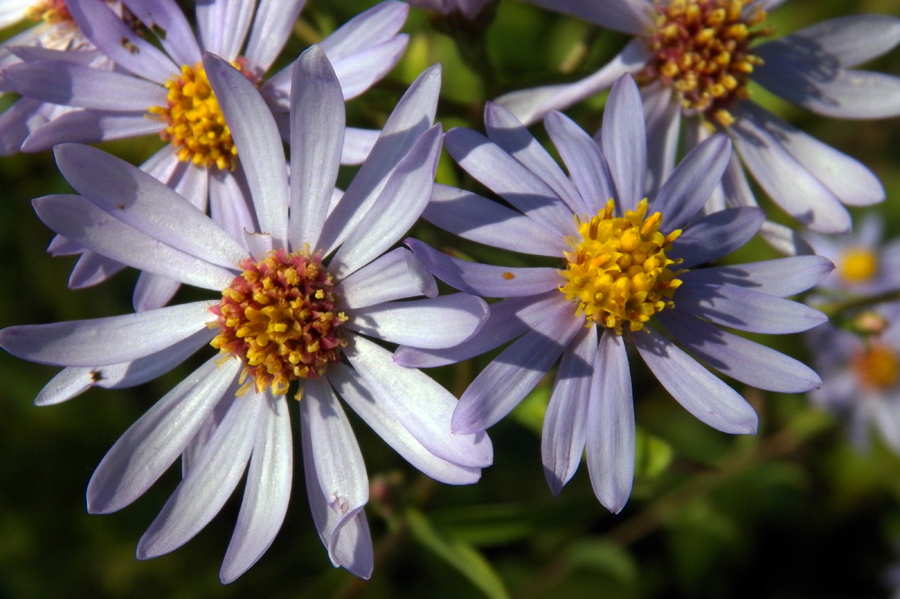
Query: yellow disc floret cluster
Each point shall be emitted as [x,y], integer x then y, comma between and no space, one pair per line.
[618,271]
[858,265]
[278,318]
[702,49]
[878,367]
[49,11]
[196,126]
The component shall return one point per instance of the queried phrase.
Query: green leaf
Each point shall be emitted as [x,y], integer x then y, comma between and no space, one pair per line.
[604,557]
[652,455]
[462,556]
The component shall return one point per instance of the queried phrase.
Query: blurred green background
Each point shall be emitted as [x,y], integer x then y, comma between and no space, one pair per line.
[791,513]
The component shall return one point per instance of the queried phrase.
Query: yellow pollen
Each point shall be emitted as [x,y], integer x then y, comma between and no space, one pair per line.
[49,11]
[858,265]
[877,367]
[196,126]
[702,49]
[278,318]
[618,271]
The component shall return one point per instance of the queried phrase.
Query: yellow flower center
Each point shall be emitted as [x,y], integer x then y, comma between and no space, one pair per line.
[49,11]
[278,318]
[702,49]
[858,265]
[196,126]
[877,367]
[618,271]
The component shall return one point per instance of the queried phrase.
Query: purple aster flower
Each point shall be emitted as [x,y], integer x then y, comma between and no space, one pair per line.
[861,377]
[302,288]
[626,261]
[865,265]
[151,91]
[694,59]
[470,9]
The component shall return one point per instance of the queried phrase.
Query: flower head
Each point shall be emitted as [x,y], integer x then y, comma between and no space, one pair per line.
[695,59]
[861,377]
[298,293]
[630,264]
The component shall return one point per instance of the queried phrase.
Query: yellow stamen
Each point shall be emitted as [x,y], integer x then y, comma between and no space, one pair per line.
[878,367]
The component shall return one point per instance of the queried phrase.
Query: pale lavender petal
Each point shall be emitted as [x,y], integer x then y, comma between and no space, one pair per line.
[267,493]
[505,130]
[699,391]
[746,310]
[629,16]
[413,115]
[374,26]
[716,235]
[108,340]
[804,73]
[60,82]
[396,209]
[357,145]
[92,269]
[272,26]
[359,72]
[585,162]
[852,40]
[258,143]
[89,126]
[685,192]
[147,449]
[165,19]
[508,178]
[231,208]
[486,280]
[18,122]
[81,221]
[781,278]
[369,407]
[624,142]
[345,536]
[786,181]
[503,324]
[138,199]
[338,461]
[107,31]
[153,291]
[317,136]
[209,484]
[475,218]
[741,359]
[515,372]
[847,178]
[74,380]
[222,26]
[735,187]
[427,418]
[395,275]
[610,424]
[563,434]
[662,111]
[432,323]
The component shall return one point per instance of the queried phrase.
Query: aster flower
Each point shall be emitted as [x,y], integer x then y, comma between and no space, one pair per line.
[861,377]
[866,266]
[695,59]
[628,261]
[470,9]
[302,290]
[167,92]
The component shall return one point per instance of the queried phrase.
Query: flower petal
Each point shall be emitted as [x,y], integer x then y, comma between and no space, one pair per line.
[624,142]
[563,434]
[272,25]
[165,19]
[630,16]
[716,235]
[699,391]
[222,26]
[395,275]
[610,424]
[852,40]
[267,493]
[90,126]
[781,278]
[102,341]
[147,449]
[585,163]
[662,111]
